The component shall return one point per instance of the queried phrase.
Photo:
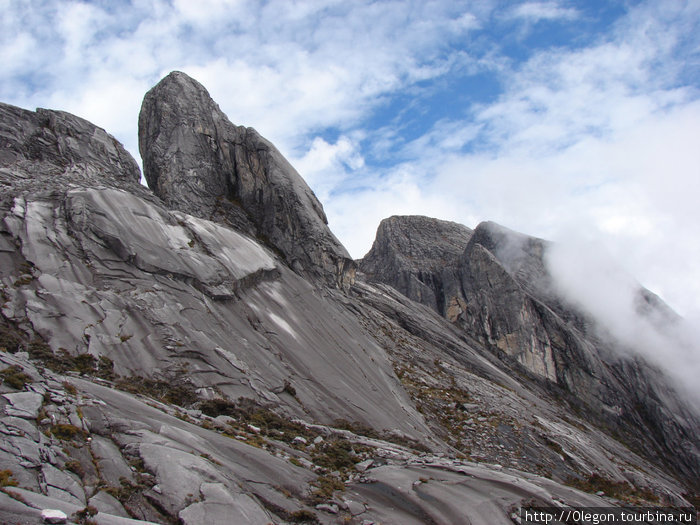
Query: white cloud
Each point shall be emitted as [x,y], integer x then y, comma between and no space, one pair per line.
[535,11]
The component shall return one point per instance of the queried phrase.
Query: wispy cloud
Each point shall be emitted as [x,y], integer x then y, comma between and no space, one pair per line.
[535,11]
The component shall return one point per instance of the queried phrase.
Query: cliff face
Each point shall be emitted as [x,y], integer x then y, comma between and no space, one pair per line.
[202,352]
[198,162]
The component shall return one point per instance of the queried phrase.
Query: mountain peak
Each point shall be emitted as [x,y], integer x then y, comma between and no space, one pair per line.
[198,162]
[412,254]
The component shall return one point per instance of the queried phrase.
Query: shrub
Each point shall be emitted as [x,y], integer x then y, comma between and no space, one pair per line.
[175,391]
[75,467]
[105,368]
[616,489]
[249,412]
[325,487]
[303,516]
[335,455]
[9,341]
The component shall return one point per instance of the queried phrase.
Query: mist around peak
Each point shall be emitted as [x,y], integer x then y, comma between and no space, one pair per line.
[585,274]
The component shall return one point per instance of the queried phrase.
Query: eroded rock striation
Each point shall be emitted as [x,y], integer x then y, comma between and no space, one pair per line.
[198,162]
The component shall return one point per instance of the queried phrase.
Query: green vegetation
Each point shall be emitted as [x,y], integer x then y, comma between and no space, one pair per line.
[67,432]
[176,391]
[362,429]
[7,479]
[14,377]
[74,466]
[70,388]
[9,339]
[616,489]
[83,516]
[303,516]
[336,455]
[248,412]
[325,486]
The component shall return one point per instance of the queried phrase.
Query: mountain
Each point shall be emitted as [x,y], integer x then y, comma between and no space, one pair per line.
[207,352]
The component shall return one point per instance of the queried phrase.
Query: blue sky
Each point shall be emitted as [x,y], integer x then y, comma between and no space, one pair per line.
[571,120]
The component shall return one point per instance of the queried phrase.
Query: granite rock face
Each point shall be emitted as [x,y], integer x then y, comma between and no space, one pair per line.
[188,357]
[198,162]
[56,142]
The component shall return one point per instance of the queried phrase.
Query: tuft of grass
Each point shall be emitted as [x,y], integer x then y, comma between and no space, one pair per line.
[335,455]
[9,339]
[616,489]
[67,432]
[303,516]
[7,479]
[75,467]
[248,412]
[175,391]
[14,377]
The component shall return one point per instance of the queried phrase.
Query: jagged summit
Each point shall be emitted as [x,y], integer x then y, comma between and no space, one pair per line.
[417,255]
[197,161]
[494,284]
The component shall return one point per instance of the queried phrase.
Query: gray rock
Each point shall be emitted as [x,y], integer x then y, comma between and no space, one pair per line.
[331,508]
[493,283]
[109,459]
[364,465]
[92,262]
[66,484]
[15,426]
[108,504]
[222,506]
[63,143]
[24,404]
[419,257]
[354,507]
[200,163]
[27,450]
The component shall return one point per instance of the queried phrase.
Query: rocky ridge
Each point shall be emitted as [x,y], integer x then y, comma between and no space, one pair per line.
[173,359]
[498,290]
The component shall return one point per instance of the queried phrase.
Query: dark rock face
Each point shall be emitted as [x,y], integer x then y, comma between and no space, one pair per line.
[200,163]
[418,256]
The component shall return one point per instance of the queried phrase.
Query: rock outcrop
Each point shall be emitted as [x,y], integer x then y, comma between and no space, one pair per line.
[200,163]
[418,256]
